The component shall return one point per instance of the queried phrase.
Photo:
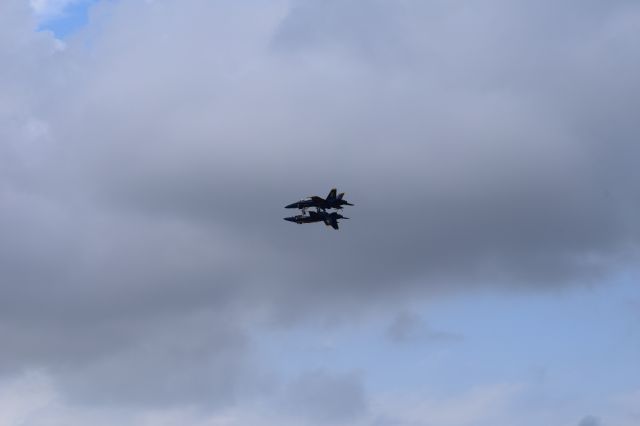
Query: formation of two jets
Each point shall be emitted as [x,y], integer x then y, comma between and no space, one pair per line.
[333,201]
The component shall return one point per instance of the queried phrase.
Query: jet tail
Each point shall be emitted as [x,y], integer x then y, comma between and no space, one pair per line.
[332,194]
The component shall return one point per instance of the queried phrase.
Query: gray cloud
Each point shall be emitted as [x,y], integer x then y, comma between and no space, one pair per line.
[590,421]
[327,398]
[146,166]
[407,327]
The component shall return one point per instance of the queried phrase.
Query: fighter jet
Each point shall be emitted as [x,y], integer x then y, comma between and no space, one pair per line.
[329,219]
[332,201]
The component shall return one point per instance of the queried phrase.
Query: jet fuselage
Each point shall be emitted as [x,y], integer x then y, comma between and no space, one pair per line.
[329,219]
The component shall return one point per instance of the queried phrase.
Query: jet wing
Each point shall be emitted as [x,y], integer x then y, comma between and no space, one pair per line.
[302,204]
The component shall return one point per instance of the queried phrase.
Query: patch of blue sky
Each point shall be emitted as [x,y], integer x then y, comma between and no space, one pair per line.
[568,340]
[575,342]
[74,17]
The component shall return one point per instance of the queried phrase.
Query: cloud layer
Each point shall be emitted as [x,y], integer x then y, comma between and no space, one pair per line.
[144,168]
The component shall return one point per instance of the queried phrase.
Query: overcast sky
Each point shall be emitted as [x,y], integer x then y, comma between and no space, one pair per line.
[488,274]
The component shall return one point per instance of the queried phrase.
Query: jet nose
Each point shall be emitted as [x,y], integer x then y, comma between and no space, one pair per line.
[290,219]
[291,206]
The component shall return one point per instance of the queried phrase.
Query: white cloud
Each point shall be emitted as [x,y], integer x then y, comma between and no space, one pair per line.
[22,398]
[33,400]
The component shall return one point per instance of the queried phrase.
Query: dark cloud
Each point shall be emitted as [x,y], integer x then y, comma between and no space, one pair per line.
[146,166]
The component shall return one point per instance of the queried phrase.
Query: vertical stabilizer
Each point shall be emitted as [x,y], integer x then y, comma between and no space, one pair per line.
[332,194]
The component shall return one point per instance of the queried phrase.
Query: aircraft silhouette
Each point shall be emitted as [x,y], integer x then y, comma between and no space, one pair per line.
[329,219]
[332,201]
